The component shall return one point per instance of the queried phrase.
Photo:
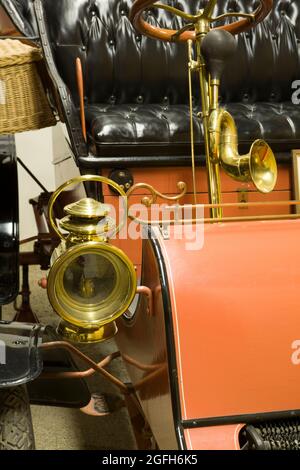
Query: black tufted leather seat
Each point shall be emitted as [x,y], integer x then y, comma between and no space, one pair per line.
[136,88]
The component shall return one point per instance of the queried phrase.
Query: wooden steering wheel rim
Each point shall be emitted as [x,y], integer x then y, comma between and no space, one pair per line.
[237,27]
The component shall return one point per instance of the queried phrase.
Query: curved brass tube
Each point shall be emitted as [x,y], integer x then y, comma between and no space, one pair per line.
[224,144]
[258,166]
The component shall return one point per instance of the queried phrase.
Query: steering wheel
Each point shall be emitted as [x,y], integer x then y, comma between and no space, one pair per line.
[184,34]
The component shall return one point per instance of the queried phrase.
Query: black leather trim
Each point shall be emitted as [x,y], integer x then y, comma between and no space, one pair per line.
[156,161]
[248,418]
[71,116]
[153,129]
[9,221]
[22,15]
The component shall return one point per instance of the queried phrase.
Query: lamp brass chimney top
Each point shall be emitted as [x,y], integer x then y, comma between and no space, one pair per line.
[87,209]
[87,220]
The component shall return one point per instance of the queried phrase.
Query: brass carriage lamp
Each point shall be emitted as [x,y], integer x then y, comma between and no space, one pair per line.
[91,283]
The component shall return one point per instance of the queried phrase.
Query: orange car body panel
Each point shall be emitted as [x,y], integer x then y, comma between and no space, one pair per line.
[214,437]
[236,316]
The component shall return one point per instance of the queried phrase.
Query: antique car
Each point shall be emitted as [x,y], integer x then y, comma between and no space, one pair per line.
[175,228]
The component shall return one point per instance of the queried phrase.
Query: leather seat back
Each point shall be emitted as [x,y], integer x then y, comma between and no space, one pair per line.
[120,66]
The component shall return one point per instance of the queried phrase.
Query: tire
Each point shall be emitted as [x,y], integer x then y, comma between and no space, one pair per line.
[16,431]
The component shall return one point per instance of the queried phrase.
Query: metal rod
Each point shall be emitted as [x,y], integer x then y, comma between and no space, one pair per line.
[80,374]
[28,240]
[239,204]
[180,13]
[190,56]
[212,219]
[147,292]
[250,16]
[213,172]
[150,377]
[69,347]
[208,11]
[251,204]
[32,175]
[140,366]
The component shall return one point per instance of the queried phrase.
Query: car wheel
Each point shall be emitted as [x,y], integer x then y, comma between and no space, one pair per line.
[16,431]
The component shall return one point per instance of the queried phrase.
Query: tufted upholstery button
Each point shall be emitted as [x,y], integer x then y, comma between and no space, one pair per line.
[138,38]
[111,42]
[123,13]
[93,13]
[112,99]
[83,48]
[140,99]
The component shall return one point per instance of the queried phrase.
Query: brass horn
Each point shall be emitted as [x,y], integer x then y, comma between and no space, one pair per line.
[259,165]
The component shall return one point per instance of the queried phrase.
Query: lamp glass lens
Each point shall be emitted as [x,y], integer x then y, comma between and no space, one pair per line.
[90,279]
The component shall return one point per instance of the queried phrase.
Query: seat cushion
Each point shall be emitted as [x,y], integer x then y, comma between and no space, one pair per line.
[160,130]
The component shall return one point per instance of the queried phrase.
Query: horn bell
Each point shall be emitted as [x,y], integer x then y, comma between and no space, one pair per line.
[263,167]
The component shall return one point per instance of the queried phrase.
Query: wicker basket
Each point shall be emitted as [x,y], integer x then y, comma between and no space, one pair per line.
[24,104]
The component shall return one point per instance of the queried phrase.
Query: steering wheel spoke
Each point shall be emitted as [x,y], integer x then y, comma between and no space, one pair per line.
[185,28]
[208,10]
[250,16]
[246,21]
[190,18]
